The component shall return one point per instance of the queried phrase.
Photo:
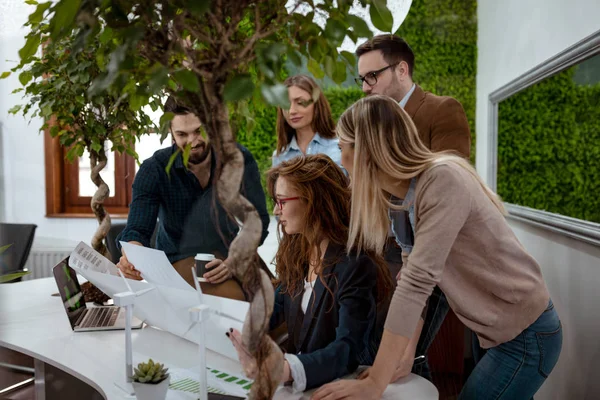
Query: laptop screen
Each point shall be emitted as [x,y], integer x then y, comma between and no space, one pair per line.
[69,289]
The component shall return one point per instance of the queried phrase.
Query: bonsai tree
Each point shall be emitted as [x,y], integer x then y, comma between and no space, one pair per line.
[58,87]
[213,56]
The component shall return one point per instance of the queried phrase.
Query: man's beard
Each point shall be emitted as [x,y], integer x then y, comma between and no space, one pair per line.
[201,157]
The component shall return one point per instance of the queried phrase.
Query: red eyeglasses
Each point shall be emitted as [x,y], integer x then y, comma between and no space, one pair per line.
[280,202]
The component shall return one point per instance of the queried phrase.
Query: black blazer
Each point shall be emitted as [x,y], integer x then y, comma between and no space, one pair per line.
[333,337]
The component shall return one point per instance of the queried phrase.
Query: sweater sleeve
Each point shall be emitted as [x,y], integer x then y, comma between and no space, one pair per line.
[443,204]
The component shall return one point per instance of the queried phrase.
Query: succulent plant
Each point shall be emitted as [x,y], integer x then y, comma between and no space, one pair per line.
[150,372]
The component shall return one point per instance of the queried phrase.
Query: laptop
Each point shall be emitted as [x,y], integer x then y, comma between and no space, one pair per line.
[82,318]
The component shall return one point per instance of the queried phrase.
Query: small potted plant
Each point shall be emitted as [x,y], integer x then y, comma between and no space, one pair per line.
[151,381]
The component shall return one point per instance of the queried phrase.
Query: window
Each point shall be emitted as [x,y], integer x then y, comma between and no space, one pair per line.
[69,188]
[546,143]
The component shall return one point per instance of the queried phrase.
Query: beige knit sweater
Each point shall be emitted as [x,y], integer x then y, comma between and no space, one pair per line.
[464,245]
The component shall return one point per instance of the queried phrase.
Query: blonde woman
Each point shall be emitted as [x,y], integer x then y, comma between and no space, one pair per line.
[452,230]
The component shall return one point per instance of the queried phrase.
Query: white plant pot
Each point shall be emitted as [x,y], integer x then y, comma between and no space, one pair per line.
[151,391]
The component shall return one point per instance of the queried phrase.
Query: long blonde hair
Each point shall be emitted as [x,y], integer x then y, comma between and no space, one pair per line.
[385,140]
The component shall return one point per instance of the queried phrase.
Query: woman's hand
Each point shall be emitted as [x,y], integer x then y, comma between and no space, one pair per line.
[219,272]
[365,389]
[248,362]
[402,370]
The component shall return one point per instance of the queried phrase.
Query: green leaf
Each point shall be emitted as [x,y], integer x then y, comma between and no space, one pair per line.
[64,16]
[25,77]
[171,161]
[31,2]
[4,248]
[106,35]
[380,16]
[276,95]
[350,57]
[238,88]
[136,102]
[359,26]
[38,15]
[165,119]
[187,79]
[329,66]
[31,46]
[339,72]
[5,75]
[96,147]
[186,154]
[315,69]
[13,276]
[335,30]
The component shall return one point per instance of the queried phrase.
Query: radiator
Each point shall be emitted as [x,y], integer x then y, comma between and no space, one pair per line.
[41,261]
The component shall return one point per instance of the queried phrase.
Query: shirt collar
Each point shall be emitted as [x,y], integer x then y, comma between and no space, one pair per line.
[294,143]
[407,96]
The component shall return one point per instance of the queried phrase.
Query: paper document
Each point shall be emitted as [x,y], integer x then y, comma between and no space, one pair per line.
[224,314]
[86,258]
[154,266]
[168,309]
[167,306]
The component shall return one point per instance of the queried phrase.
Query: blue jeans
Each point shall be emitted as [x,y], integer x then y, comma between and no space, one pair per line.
[517,369]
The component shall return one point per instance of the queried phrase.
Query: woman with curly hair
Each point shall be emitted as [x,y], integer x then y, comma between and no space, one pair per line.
[327,296]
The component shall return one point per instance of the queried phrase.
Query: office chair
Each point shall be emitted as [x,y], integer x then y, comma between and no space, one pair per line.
[20,237]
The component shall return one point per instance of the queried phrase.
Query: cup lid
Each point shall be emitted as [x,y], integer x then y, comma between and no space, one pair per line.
[204,257]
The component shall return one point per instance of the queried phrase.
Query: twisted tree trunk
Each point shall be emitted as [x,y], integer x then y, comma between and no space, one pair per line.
[97,164]
[242,260]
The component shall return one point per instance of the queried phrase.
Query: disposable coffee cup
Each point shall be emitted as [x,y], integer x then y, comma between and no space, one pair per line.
[201,260]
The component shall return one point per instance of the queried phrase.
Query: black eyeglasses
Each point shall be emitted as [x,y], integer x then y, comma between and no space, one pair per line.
[371,77]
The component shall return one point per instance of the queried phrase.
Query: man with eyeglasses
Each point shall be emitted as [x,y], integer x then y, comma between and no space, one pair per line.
[385,66]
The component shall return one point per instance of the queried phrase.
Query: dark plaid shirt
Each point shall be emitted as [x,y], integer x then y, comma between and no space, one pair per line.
[190,218]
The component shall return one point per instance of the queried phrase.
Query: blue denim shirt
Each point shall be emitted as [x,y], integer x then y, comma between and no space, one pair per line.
[402,229]
[317,145]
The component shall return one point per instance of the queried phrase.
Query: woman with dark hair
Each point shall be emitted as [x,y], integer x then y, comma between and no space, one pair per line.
[307,127]
[327,296]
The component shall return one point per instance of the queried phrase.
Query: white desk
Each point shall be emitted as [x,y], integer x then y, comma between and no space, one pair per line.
[34,323]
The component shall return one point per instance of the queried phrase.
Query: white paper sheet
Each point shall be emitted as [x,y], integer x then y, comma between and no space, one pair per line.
[154,266]
[167,308]
[86,258]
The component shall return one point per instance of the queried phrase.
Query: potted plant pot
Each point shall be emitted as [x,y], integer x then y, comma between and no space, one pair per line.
[151,381]
[152,391]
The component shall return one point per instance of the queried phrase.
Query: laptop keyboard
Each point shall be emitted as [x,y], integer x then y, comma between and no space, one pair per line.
[98,317]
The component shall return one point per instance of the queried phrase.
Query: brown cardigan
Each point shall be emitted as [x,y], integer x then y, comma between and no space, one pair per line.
[464,245]
[440,121]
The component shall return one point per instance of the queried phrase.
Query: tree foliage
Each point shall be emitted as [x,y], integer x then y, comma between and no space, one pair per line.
[61,86]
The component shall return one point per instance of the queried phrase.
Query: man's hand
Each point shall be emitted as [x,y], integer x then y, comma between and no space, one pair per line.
[219,273]
[365,389]
[127,268]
